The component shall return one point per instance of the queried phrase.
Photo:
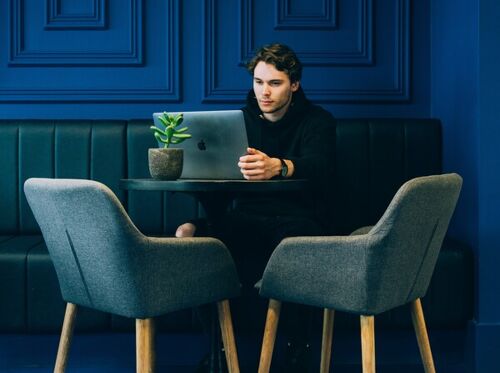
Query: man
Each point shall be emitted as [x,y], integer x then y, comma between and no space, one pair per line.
[289,137]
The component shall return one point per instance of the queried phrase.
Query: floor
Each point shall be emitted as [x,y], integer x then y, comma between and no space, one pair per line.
[396,352]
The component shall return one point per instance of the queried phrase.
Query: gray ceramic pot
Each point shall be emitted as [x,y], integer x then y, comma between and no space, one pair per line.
[165,164]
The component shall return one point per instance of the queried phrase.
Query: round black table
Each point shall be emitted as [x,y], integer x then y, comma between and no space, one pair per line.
[205,185]
[214,196]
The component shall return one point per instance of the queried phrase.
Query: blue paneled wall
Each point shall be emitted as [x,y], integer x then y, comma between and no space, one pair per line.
[124,59]
[103,52]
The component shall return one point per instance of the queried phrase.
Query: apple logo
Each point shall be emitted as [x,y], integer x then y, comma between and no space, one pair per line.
[201,145]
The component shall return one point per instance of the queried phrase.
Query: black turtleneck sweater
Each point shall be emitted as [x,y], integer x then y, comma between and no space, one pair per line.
[306,136]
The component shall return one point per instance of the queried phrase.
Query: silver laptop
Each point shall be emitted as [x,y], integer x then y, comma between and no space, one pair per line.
[219,138]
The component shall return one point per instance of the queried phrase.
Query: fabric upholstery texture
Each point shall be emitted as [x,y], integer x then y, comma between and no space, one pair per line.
[104,262]
[369,273]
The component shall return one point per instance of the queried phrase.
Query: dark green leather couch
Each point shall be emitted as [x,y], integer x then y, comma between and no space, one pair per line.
[373,158]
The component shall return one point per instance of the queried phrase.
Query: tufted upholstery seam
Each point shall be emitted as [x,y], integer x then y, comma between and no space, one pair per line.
[90,162]
[18,182]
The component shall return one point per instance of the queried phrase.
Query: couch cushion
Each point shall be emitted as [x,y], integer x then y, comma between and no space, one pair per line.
[9,185]
[450,297]
[45,306]
[13,256]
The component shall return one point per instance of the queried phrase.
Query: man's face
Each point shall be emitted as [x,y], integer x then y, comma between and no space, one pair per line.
[273,90]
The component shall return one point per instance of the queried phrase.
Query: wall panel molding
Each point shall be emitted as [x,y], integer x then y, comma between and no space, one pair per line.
[395,86]
[326,19]
[211,92]
[360,54]
[20,55]
[154,88]
[400,90]
[56,19]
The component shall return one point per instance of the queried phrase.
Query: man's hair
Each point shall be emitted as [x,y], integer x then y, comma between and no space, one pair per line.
[281,56]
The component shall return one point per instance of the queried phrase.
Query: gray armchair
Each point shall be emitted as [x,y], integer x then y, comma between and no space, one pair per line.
[372,271]
[104,262]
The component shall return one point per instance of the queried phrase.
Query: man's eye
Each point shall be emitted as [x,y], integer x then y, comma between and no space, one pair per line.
[275,84]
[258,82]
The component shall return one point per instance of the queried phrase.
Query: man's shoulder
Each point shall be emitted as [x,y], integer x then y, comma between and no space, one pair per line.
[316,113]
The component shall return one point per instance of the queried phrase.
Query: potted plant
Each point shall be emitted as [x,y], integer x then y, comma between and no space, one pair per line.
[166,163]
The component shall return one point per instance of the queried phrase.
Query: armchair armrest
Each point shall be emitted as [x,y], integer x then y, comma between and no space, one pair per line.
[178,273]
[319,271]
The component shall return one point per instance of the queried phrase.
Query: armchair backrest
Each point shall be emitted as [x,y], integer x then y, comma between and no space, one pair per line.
[89,236]
[409,236]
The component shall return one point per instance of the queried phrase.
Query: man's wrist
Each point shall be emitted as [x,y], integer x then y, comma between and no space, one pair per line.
[277,167]
[291,168]
[284,168]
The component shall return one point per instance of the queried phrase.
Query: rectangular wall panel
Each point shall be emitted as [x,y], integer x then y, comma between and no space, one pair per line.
[100,51]
[70,43]
[76,15]
[342,62]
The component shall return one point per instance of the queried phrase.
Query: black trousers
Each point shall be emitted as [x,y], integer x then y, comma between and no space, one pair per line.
[251,239]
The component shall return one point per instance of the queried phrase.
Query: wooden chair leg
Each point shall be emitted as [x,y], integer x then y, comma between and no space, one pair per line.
[368,343]
[272,319]
[66,336]
[417,316]
[326,344]
[226,327]
[144,341]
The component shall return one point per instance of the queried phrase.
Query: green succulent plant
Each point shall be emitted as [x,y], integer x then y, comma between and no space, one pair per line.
[170,134]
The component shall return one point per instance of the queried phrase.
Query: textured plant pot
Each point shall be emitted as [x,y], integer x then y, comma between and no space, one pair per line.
[165,164]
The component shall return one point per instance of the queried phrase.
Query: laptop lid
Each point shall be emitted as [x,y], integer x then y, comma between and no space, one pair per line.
[219,138]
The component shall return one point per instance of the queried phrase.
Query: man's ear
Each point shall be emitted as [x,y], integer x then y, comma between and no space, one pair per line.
[295,86]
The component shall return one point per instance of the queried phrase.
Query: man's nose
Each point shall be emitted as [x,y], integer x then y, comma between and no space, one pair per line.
[265,90]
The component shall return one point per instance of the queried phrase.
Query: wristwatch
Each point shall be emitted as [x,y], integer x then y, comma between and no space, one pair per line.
[284,168]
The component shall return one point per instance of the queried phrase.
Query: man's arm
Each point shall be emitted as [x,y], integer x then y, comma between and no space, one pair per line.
[316,158]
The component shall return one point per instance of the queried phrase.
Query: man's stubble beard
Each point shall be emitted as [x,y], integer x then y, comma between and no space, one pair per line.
[281,106]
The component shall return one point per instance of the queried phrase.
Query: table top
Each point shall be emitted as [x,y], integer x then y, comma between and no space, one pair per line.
[205,185]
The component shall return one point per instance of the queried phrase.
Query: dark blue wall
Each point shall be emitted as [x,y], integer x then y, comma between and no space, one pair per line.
[488,310]
[454,100]
[465,82]
[125,59]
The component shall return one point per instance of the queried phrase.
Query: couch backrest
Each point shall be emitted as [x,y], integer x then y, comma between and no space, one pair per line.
[79,149]
[374,157]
